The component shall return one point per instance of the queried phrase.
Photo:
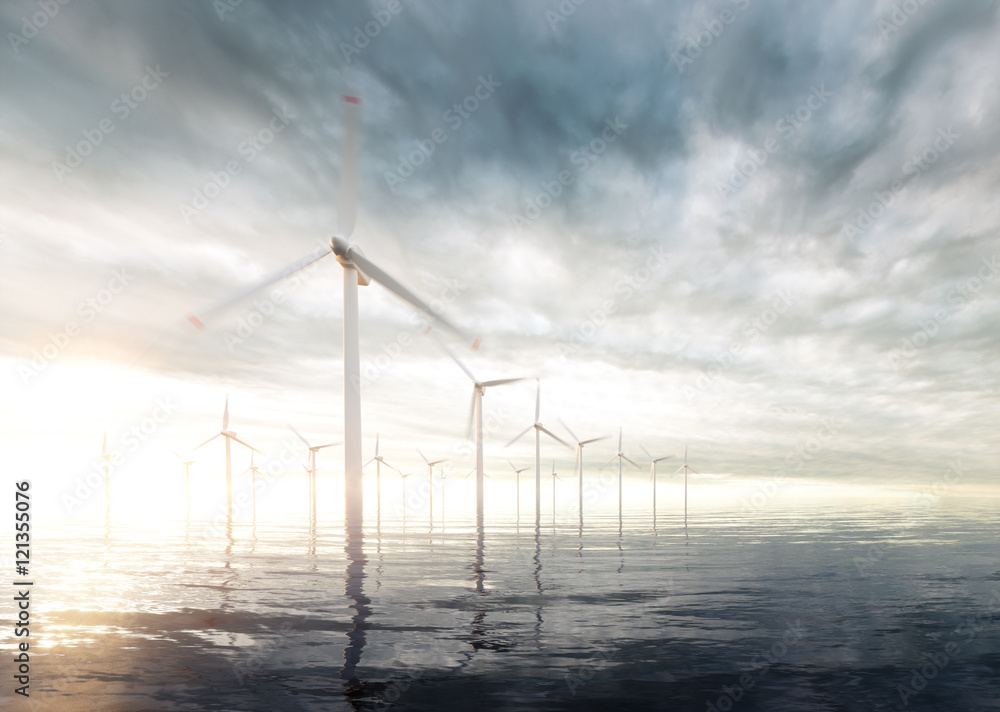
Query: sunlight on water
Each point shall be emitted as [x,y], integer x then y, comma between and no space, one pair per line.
[831,605]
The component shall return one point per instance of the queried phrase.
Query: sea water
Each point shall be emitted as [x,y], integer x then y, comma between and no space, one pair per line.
[816,606]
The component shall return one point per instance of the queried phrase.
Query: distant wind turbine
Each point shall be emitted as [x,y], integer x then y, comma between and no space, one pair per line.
[579,458]
[430,481]
[107,457]
[476,408]
[404,491]
[517,484]
[686,469]
[358,270]
[228,435]
[255,471]
[538,428]
[379,461]
[621,456]
[187,476]
[311,469]
[554,478]
[652,471]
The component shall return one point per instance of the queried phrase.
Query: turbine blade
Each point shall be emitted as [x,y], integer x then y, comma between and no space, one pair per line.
[212,312]
[512,465]
[519,436]
[383,278]
[368,463]
[104,447]
[320,447]
[608,462]
[619,438]
[538,398]
[502,382]
[347,203]
[454,357]
[225,415]
[472,410]
[643,447]
[423,456]
[301,437]
[244,444]
[627,460]
[576,460]
[694,471]
[661,459]
[553,435]
[207,441]
[594,440]
[571,433]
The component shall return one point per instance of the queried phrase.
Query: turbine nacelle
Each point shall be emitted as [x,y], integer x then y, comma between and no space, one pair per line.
[342,250]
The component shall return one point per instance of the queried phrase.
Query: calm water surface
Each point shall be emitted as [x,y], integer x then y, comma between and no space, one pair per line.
[820,608]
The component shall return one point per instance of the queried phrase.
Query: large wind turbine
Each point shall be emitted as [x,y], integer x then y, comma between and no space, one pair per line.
[579,458]
[228,435]
[621,456]
[686,469]
[476,407]
[539,428]
[379,461]
[652,472]
[311,469]
[430,481]
[358,270]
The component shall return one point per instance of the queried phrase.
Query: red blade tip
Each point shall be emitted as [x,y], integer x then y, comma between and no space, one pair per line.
[196,321]
[352,99]
[476,343]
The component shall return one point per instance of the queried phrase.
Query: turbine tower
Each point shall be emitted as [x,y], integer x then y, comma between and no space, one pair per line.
[621,456]
[379,461]
[686,469]
[652,472]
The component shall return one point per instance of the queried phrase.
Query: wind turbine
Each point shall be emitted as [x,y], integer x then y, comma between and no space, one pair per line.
[517,484]
[107,457]
[311,469]
[476,407]
[539,428]
[579,458]
[358,270]
[404,491]
[379,461]
[255,470]
[621,456]
[686,469]
[187,475]
[228,435]
[554,478]
[430,481]
[652,472]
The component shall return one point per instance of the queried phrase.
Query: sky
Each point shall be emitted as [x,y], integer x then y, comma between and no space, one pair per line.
[763,230]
